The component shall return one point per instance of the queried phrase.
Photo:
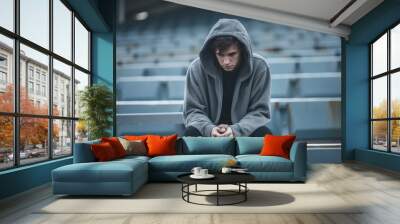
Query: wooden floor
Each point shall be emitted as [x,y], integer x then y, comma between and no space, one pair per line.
[377,188]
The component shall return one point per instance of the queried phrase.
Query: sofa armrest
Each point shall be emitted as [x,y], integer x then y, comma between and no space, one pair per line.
[298,155]
[83,152]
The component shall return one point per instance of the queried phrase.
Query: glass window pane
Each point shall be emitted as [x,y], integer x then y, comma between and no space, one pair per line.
[81,45]
[6,74]
[35,21]
[62,29]
[7,14]
[395,94]
[62,89]
[395,136]
[81,131]
[379,100]
[6,142]
[81,81]
[62,138]
[34,97]
[379,135]
[33,139]
[379,55]
[395,47]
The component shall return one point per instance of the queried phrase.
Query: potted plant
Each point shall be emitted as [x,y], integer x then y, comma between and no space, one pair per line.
[96,102]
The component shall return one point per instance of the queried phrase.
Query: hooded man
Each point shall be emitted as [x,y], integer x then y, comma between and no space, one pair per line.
[227,90]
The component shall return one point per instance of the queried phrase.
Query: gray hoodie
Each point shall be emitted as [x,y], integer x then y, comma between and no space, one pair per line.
[203,88]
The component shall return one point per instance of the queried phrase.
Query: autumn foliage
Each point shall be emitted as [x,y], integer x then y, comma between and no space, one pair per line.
[380,127]
[33,131]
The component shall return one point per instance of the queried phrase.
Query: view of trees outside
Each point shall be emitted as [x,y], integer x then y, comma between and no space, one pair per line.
[6,141]
[380,88]
[62,144]
[81,131]
[395,111]
[33,131]
[379,128]
[34,80]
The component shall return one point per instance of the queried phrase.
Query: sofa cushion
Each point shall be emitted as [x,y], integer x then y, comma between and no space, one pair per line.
[116,145]
[135,147]
[132,158]
[161,145]
[249,145]
[185,163]
[208,145]
[136,137]
[277,145]
[111,171]
[103,151]
[257,163]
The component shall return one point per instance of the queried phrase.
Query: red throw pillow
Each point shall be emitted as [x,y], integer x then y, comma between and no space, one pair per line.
[116,145]
[136,137]
[277,145]
[103,151]
[161,145]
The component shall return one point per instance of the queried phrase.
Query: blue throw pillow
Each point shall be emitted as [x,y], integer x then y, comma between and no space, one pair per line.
[208,145]
[249,145]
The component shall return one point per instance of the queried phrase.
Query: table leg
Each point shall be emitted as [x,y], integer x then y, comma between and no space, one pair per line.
[217,194]
[245,193]
[196,188]
[182,188]
[188,189]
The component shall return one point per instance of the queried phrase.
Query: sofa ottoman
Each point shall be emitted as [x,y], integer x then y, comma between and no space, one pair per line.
[119,177]
[87,177]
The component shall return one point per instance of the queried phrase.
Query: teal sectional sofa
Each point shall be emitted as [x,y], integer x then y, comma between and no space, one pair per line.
[125,176]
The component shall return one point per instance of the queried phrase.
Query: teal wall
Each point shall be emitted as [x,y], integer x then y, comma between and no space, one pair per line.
[24,178]
[98,15]
[103,61]
[91,13]
[102,58]
[356,83]
[103,51]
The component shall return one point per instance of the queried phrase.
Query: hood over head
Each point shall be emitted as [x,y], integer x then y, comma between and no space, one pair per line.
[227,27]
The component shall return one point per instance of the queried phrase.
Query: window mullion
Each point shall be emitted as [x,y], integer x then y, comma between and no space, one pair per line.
[73,82]
[16,84]
[370,98]
[388,94]
[50,81]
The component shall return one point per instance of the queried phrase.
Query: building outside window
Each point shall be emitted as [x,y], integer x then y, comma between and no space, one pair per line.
[30,72]
[3,72]
[30,87]
[56,134]
[3,78]
[37,75]
[3,61]
[43,77]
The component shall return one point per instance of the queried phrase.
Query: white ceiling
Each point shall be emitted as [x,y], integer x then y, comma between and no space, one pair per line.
[321,9]
[315,15]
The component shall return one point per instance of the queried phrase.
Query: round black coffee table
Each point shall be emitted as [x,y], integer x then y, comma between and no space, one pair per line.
[238,179]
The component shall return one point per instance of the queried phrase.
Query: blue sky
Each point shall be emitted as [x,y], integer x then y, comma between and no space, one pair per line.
[35,27]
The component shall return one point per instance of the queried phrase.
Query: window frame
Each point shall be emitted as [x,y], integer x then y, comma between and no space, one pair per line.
[388,74]
[16,114]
